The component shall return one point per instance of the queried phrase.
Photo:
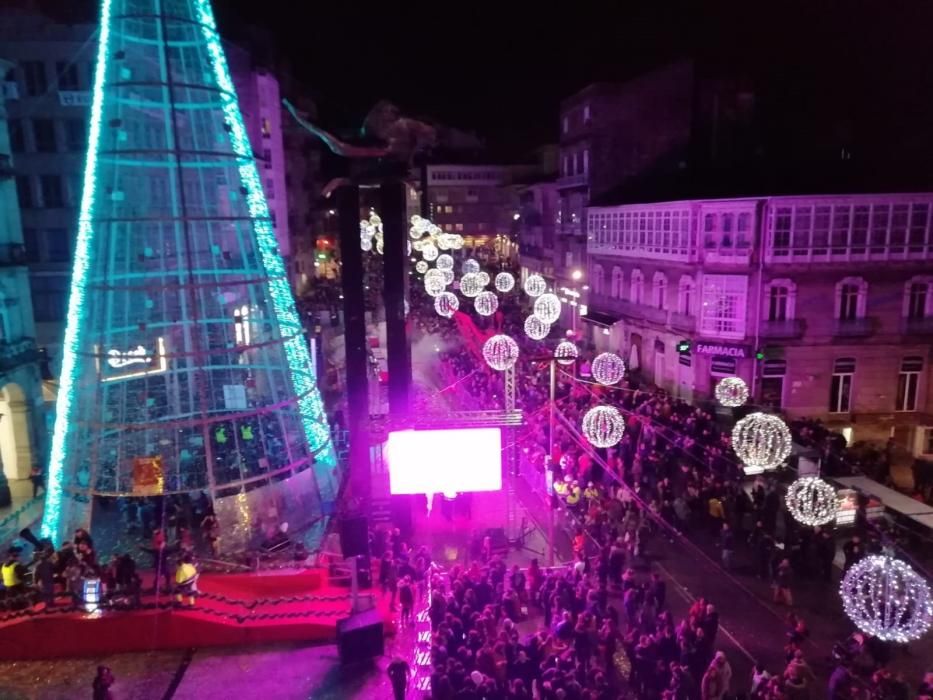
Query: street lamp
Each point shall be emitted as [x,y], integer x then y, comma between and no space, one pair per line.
[576,275]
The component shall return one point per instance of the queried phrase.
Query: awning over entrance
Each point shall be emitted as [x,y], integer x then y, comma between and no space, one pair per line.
[597,318]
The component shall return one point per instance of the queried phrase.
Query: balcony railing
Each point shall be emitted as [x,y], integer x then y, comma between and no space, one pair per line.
[792,328]
[572,180]
[655,315]
[917,326]
[15,353]
[642,312]
[853,328]
[682,322]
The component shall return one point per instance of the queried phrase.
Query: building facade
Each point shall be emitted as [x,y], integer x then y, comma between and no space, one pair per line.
[822,304]
[48,98]
[22,434]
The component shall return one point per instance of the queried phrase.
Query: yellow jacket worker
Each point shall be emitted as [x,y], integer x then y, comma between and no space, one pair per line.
[186,579]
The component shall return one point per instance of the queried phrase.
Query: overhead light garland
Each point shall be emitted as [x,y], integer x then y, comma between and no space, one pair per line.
[471,284]
[434,282]
[504,282]
[762,441]
[731,392]
[812,501]
[500,352]
[446,304]
[486,303]
[603,426]
[536,329]
[887,599]
[566,353]
[535,285]
[444,262]
[608,368]
[547,308]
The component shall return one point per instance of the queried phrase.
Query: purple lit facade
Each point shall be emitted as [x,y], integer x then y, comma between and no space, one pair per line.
[836,290]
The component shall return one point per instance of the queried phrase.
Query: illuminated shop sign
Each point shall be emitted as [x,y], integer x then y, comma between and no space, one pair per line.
[130,363]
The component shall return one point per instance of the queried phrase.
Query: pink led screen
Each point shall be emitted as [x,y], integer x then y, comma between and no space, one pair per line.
[444,461]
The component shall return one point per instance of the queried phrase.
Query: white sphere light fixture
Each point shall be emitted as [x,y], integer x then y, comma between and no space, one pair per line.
[421,267]
[536,329]
[486,303]
[483,277]
[434,282]
[566,353]
[547,308]
[429,252]
[603,426]
[812,501]
[446,304]
[500,352]
[448,276]
[731,391]
[608,368]
[887,599]
[762,441]
[469,265]
[535,285]
[470,284]
[444,262]
[504,282]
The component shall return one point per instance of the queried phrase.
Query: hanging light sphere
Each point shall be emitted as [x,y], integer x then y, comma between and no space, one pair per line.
[535,286]
[504,282]
[429,252]
[887,599]
[444,262]
[469,265]
[446,303]
[366,244]
[470,284]
[500,352]
[434,282]
[608,368]
[547,308]
[731,391]
[566,353]
[762,441]
[486,303]
[448,276]
[812,501]
[421,267]
[603,426]
[536,329]
[483,277]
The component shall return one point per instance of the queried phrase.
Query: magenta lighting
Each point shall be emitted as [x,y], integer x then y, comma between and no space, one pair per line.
[444,461]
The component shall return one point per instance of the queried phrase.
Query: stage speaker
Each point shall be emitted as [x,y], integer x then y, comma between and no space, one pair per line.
[354,537]
[359,637]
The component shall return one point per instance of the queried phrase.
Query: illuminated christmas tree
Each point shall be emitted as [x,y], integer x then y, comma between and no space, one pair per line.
[185,367]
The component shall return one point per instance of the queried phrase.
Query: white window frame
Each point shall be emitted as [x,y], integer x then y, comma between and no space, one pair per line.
[835,402]
[861,299]
[731,289]
[791,305]
[659,291]
[637,287]
[686,295]
[914,377]
[599,277]
[928,304]
[618,279]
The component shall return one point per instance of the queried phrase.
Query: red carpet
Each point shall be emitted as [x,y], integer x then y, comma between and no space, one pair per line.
[236,609]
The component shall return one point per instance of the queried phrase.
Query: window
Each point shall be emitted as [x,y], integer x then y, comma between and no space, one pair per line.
[43,131]
[637,291]
[57,245]
[772,383]
[840,387]
[67,76]
[448,209]
[53,197]
[659,290]
[31,241]
[49,296]
[586,161]
[908,383]
[566,125]
[17,139]
[34,78]
[586,114]
[241,325]
[24,192]
[616,289]
[851,296]
[918,298]
[722,313]
[458,227]
[266,128]
[75,135]
[928,441]
[685,293]
[266,158]
[598,277]
[270,188]
[779,300]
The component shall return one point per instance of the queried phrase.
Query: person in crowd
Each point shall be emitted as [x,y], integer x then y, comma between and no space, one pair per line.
[399,672]
[38,480]
[186,580]
[103,681]
[406,600]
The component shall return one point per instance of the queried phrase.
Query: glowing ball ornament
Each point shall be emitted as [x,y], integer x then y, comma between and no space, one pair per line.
[535,286]
[500,352]
[762,441]
[603,426]
[504,282]
[444,262]
[469,265]
[446,304]
[547,308]
[536,329]
[886,598]
[421,267]
[732,392]
[486,303]
[812,501]
[429,252]
[366,244]
[434,282]
[483,277]
[608,368]
[448,276]
[471,284]
[566,353]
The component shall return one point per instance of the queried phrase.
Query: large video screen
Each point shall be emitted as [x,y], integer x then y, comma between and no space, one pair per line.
[444,461]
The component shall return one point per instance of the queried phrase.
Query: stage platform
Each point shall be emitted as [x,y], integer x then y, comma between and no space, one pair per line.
[233,610]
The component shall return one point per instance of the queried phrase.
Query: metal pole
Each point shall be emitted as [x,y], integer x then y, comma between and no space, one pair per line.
[550,456]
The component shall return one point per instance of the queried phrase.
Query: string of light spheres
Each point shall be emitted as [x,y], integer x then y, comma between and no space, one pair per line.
[500,352]
[762,441]
[731,392]
[608,368]
[603,426]
[812,501]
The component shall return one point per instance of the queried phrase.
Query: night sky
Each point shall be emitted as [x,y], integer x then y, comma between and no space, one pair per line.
[501,68]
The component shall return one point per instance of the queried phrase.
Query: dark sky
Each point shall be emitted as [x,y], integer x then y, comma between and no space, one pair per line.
[501,68]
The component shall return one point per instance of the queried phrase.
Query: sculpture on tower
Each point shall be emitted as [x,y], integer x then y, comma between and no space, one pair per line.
[185,367]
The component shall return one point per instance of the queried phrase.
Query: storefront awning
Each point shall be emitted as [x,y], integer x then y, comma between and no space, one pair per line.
[597,318]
